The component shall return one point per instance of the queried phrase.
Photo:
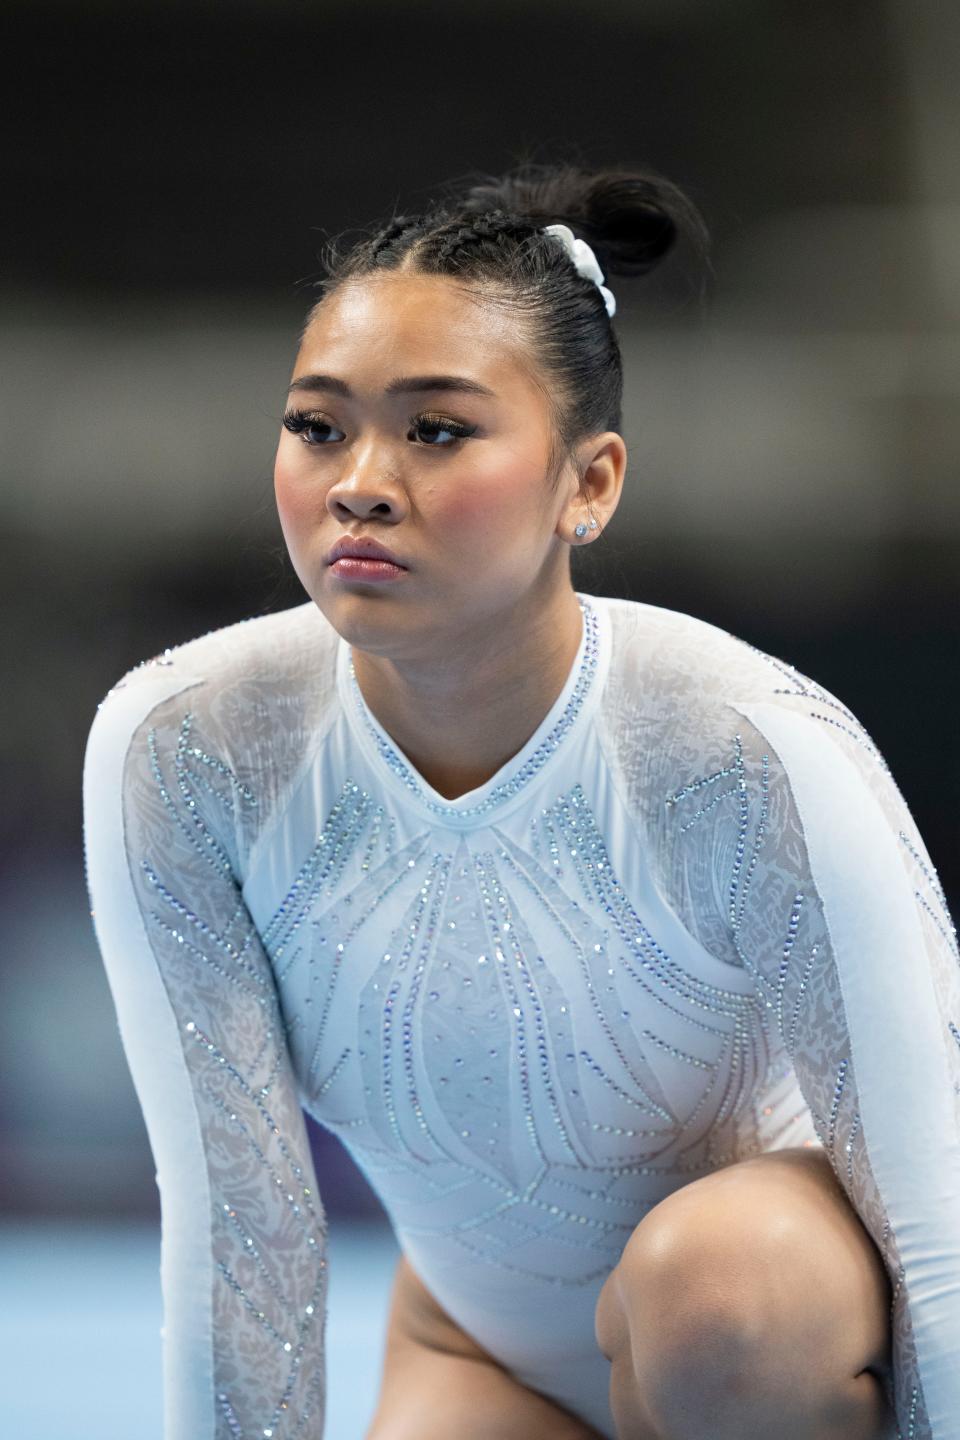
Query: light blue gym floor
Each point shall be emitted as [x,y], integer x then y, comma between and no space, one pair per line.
[80,1329]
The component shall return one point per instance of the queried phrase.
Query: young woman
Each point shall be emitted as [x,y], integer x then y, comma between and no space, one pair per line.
[605,941]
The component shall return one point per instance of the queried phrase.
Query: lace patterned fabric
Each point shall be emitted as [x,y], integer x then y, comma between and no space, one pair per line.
[690,921]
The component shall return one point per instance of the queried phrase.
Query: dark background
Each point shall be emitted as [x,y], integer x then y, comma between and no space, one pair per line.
[792,420]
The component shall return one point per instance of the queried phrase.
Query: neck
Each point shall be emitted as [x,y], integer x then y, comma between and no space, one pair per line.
[460,719]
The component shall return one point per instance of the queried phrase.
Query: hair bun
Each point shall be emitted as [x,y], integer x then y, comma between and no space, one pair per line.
[631,217]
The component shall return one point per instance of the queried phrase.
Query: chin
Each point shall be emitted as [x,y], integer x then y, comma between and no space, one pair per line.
[368,621]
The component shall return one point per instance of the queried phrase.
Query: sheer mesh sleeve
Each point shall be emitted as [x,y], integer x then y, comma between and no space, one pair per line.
[243,1230]
[789,835]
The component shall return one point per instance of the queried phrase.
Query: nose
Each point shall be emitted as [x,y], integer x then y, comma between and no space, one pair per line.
[368,486]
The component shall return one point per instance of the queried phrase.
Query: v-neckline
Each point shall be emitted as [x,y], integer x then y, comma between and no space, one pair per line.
[477,806]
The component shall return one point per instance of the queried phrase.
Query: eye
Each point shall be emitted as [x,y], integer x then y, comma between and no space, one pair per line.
[440,424]
[313,428]
[306,424]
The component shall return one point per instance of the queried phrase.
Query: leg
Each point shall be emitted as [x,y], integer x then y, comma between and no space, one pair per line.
[750,1303]
[438,1384]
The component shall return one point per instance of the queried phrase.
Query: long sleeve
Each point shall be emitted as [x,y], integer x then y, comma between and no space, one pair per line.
[788,832]
[243,1250]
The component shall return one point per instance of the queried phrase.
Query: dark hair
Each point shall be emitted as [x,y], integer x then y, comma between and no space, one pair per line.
[490,236]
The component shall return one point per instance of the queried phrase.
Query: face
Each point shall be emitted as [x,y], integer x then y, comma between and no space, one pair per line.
[453,482]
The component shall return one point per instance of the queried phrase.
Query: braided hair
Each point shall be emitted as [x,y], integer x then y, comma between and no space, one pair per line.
[490,236]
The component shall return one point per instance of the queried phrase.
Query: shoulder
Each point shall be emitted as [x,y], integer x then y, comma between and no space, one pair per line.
[673,659]
[673,663]
[686,699]
[231,676]
[750,778]
[237,711]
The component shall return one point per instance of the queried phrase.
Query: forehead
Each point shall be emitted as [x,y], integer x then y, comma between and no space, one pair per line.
[415,324]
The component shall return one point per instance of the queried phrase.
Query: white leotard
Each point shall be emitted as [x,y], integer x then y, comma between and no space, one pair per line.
[692,919]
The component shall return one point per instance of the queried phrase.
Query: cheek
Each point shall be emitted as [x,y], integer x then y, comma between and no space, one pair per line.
[296,501]
[500,503]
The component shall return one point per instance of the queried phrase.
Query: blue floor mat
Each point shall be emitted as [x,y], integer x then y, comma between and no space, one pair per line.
[80,1329]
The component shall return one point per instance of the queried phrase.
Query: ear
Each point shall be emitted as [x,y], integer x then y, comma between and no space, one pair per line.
[603,462]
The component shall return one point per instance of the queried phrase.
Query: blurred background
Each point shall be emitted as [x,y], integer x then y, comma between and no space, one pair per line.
[794,435]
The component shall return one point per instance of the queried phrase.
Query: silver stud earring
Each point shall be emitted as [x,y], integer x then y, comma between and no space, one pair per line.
[581,529]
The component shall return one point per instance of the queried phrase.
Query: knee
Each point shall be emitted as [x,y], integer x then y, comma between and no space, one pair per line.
[686,1320]
[673,1306]
[687,1268]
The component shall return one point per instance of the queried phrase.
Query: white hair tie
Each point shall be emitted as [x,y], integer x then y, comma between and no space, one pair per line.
[584,259]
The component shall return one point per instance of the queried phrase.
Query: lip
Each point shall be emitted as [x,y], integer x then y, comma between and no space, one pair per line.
[352,568]
[362,548]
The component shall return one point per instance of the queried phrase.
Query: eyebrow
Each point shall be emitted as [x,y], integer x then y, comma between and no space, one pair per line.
[404,385]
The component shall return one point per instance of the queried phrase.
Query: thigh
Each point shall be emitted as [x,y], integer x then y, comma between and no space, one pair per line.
[438,1383]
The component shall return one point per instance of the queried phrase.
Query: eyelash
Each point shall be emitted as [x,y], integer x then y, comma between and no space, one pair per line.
[298,421]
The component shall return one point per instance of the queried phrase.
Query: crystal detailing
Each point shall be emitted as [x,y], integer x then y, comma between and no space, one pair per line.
[267,1232]
[835,1105]
[255,1096]
[696,785]
[941,917]
[229,1414]
[441,969]
[912,1417]
[791,1037]
[802,686]
[209,847]
[849,1145]
[739,882]
[508,788]
[527,1033]
[234,952]
[321,869]
[641,958]
[509,954]
[741,875]
[758,846]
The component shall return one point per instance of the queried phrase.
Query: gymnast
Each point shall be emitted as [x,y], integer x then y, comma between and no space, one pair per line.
[603,940]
